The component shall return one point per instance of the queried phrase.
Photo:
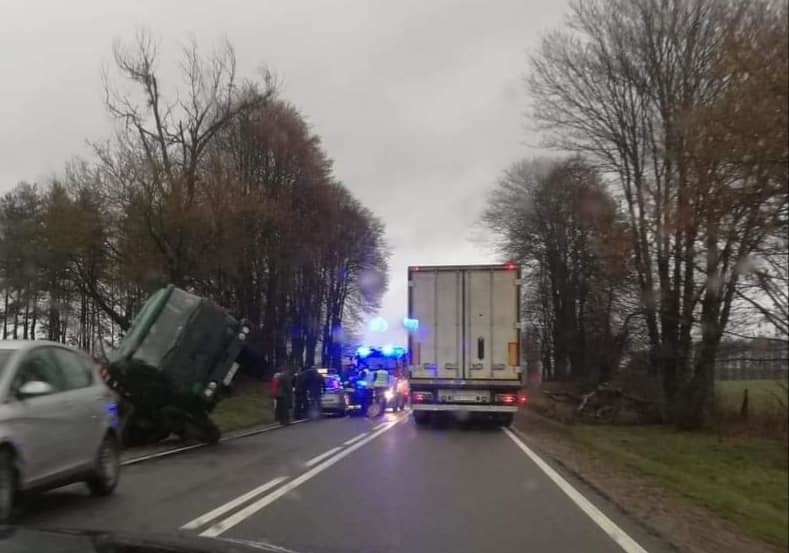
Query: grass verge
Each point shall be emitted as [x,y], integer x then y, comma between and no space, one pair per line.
[743,480]
[243,411]
[764,396]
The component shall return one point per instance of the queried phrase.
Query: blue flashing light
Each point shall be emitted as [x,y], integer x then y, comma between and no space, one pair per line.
[379,324]
[399,351]
[388,350]
[363,351]
[411,324]
[361,383]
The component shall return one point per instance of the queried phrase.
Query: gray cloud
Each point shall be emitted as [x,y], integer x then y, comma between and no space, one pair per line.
[419,103]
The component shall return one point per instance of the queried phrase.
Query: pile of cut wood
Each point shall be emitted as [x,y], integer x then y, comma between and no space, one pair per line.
[607,404]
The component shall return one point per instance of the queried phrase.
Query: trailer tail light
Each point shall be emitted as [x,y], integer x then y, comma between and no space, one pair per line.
[421,397]
[507,399]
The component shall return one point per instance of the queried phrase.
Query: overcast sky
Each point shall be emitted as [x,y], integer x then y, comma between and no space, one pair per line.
[419,102]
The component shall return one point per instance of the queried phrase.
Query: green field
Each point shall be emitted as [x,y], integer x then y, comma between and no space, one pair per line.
[764,396]
[742,479]
[243,411]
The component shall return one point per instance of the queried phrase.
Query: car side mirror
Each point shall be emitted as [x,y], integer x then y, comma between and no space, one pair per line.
[33,388]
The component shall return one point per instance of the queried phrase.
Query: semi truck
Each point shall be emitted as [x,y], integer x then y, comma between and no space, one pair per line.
[464,341]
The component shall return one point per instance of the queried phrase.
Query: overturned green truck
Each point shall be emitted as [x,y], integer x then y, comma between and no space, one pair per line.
[172,367]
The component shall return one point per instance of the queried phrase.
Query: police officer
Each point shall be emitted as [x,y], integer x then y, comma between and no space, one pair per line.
[381,385]
[381,378]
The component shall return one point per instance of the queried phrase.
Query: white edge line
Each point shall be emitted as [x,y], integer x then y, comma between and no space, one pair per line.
[230,438]
[202,520]
[318,458]
[262,545]
[251,509]
[160,454]
[598,517]
[377,426]
[355,439]
[267,428]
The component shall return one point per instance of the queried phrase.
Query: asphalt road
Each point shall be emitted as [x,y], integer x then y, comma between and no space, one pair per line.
[356,485]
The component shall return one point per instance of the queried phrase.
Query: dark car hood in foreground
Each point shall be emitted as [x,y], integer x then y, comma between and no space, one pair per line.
[29,540]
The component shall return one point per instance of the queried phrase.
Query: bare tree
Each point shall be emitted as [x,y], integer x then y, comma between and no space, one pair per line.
[170,137]
[557,218]
[626,85]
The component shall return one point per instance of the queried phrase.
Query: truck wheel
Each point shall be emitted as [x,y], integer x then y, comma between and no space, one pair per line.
[7,486]
[421,418]
[137,431]
[505,419]
[202,429]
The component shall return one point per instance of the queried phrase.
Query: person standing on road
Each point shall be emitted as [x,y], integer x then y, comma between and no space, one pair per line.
[381,384]
[381,378]
[284,396]
[300,385]
[315,390]
[402,392]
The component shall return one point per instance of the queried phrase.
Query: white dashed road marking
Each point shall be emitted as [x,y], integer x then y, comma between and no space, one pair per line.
[318,458]
[240,500]
[241,515]
[355,439]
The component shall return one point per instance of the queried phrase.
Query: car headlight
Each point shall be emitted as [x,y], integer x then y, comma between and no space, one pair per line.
[388,394]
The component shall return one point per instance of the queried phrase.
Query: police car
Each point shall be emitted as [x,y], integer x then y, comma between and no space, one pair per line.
[334,399]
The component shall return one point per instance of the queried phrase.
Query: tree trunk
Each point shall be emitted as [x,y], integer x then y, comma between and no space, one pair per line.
[5,314]
[16,316]
[53,332]
[25,322]
[35,317]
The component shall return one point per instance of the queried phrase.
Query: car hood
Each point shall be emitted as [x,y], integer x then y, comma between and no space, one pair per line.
[30,540]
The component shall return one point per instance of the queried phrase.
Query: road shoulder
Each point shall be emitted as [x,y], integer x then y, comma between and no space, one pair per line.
[666,515]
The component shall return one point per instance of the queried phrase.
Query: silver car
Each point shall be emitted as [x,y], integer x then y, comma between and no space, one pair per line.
[58,422]
[334,400]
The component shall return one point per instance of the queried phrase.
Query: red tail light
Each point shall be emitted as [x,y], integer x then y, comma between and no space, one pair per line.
[522,399]
[421,397]
[507,399]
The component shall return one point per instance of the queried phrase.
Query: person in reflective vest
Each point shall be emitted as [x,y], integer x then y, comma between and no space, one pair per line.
[381,378]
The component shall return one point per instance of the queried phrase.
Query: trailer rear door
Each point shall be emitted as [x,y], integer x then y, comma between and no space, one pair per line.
[436,302]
